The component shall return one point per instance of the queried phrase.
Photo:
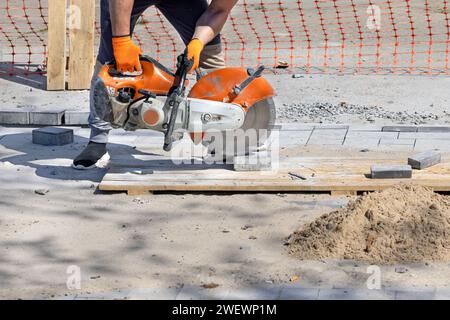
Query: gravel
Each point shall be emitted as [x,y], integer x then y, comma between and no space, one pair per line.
[337,113]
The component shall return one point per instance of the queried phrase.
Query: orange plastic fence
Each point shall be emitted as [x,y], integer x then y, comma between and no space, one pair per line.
[311,36]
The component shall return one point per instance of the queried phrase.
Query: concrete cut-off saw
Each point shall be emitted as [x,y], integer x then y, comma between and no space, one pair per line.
[222,107]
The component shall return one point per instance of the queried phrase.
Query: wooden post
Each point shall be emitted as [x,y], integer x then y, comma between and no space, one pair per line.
[81,37]
[56,63]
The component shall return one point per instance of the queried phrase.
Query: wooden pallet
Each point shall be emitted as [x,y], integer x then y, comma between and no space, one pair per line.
[337,175]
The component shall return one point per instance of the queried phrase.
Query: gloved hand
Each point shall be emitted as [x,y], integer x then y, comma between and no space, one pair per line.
[194,49]
[126,54]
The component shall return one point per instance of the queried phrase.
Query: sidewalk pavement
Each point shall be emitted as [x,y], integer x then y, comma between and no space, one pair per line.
[267,292]
[388,138]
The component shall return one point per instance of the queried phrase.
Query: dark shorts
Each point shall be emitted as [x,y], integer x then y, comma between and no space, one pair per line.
[182,14]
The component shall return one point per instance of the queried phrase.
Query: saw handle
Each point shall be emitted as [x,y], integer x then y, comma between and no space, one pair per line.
[176,95]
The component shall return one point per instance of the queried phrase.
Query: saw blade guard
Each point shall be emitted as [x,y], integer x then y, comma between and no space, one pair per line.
[256,99]
[220,85]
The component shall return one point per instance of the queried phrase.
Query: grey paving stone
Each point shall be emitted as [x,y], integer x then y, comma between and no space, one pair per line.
[76,118]
[391,172]
[325,142]
[327,137]
[257,293]
[52,136]
[434,129]
[442,294]
[258,161]
[425,135]
[46,118]
[372,135]
[144,294]
[397,142]
[369,143]
[415,294]
[299,294]
[296,126]
[14,117]
[294,138]
[197,293]
[425,159]
[441,145]
[354,294]
[399,129]
[332,127]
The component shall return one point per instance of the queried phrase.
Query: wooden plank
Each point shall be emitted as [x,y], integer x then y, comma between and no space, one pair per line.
[56,56]
[339,176]
[81,37]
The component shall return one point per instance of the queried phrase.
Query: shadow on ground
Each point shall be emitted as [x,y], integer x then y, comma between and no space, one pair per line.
[54,162]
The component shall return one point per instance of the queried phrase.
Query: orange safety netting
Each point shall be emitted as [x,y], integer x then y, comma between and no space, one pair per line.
[312,36]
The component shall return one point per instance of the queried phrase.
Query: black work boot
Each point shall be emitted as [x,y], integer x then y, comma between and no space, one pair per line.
[91,155]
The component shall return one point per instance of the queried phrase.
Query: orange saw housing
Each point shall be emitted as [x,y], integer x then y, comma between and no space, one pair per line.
[216,86]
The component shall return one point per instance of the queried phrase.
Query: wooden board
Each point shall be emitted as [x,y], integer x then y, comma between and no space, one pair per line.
[143,174]
[56,63]
[81,37]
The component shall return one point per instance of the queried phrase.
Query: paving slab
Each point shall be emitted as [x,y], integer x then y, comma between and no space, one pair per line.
[425,159]
[372,135]
[196,293]
[399,129]
[327,137]
[391,172]
[442,294]
[425,135]
[354,294]
[144,294]
[440,129]
[415,294]
[441,145]
[14,117]
[257,293]
[52,136]
[76,118]
[294,138]
[46,118]
[299,294]
[359,143]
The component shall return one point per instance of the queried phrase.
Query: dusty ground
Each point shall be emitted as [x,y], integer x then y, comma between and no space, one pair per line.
[129,243]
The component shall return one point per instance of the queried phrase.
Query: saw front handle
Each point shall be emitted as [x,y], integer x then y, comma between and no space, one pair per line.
[176,96]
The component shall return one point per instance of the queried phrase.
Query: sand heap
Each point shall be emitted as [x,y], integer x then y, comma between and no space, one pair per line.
[402,224]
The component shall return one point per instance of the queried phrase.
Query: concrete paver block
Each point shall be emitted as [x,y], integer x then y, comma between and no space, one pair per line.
[256,293]
[76,118]
[327,137]
[372,135]
[399,129]
[434,129]
[354,294]
[299,294]
[415,294]
[52,136]
[358,143]
[196,293]
[425,159]
[258,161]
[425,135]
[441,145]
[15,117]
[46,118]
[391,172]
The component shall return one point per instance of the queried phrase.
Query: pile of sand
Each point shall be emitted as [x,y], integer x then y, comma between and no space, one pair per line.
[402,224]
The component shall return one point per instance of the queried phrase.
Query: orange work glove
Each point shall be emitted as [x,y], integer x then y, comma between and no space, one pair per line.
[126,54]
[194,49]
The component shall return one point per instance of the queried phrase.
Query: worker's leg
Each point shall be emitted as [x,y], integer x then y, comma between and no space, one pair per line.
[100,112]
[183,15]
